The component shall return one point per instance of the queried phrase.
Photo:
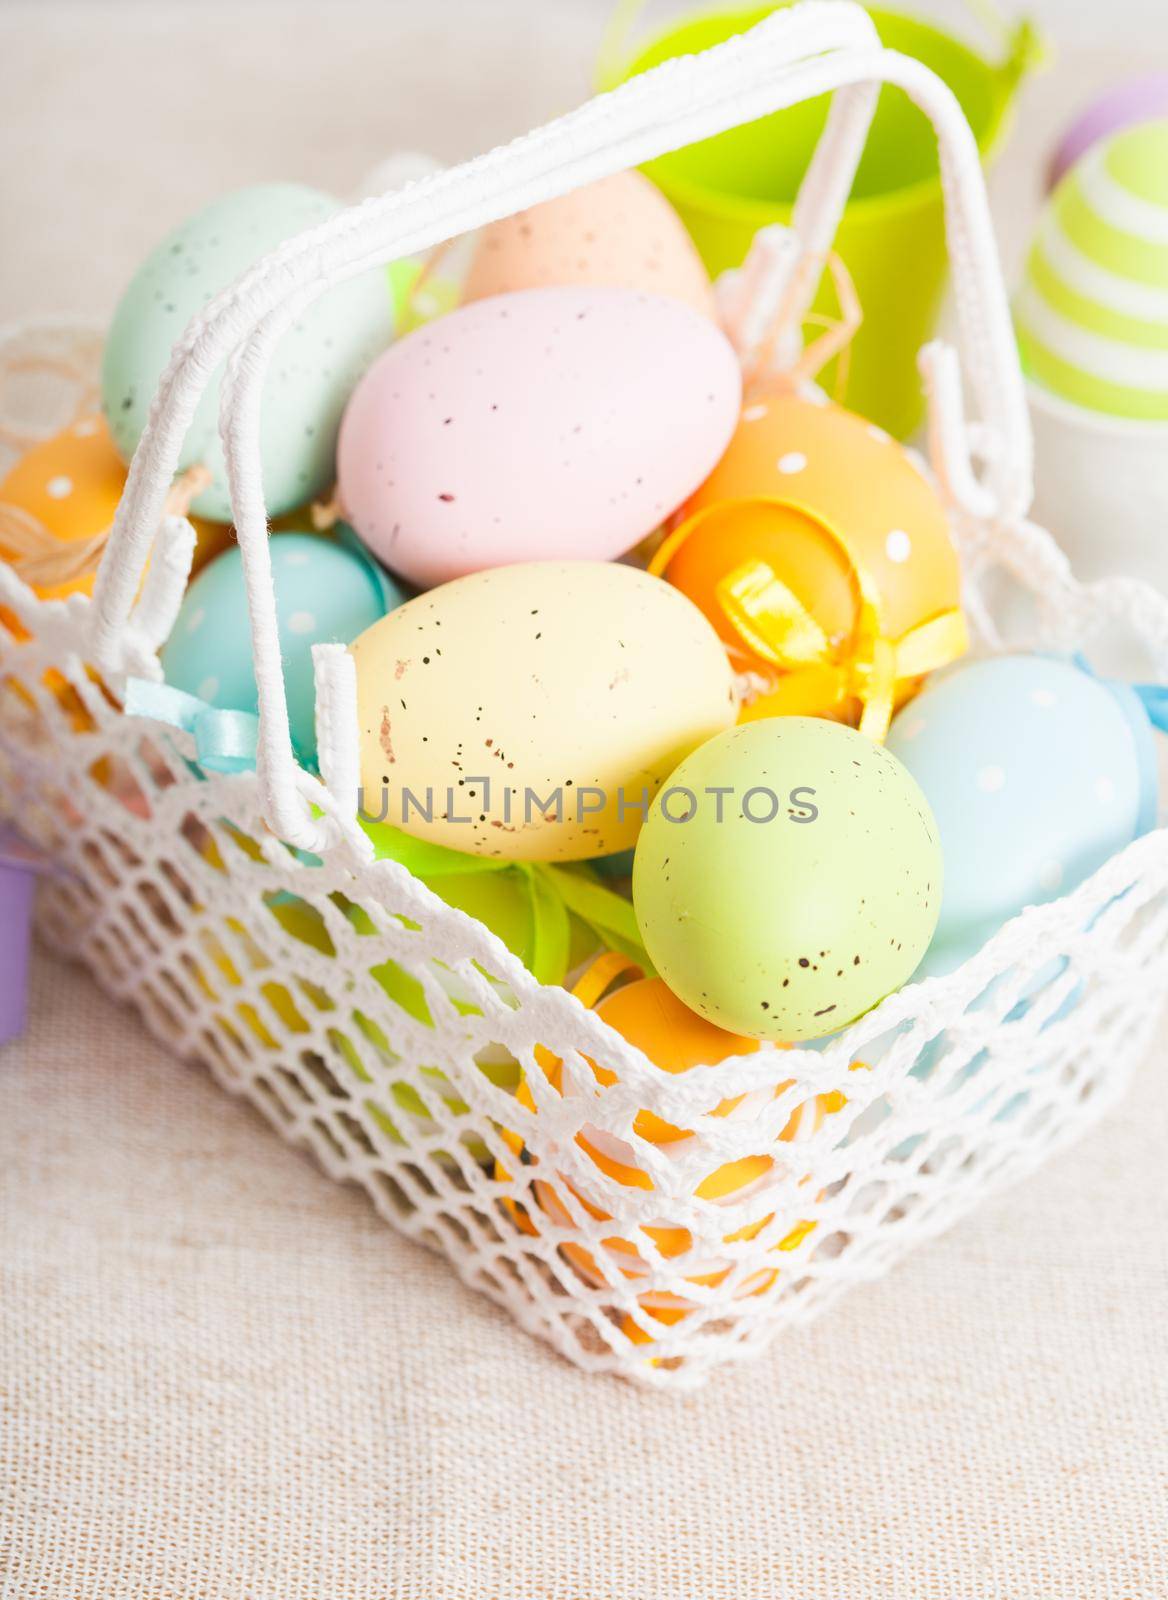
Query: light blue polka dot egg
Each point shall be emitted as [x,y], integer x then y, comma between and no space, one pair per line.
[314,367]
[327,591]
[1037,772]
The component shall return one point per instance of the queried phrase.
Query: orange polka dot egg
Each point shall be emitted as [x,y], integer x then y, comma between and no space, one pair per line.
[649,1016]
[69,486]
[820,552]
[62,492]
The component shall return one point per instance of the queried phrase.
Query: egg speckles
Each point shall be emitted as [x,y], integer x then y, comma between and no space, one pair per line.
[620,231]
[809,894]
[312,370]
[553,424]
[531,712]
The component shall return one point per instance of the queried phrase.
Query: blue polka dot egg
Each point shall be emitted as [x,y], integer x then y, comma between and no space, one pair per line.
[327,591]
[1037,773]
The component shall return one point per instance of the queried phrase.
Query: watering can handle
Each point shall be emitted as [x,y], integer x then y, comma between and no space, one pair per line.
[812,49]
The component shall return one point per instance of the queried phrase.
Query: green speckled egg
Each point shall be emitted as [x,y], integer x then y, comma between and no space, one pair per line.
[788,878]
[313,369]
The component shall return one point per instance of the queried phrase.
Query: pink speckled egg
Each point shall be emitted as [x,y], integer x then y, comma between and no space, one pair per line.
[553,424]
[620,231]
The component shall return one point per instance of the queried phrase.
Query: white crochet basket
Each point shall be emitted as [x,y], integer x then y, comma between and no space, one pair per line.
[385,1031]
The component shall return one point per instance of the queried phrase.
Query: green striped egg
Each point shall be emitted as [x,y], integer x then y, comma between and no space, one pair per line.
[1092,313]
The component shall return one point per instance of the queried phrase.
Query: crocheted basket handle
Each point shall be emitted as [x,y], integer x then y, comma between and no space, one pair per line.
[795,54]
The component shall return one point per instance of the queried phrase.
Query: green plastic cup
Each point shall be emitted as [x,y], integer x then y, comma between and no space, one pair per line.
[892,237]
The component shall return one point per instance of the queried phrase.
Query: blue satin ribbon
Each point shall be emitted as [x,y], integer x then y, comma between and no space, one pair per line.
[1145,705]
[225,741]
[1154,697]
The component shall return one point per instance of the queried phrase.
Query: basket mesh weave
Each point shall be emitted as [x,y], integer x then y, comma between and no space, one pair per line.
[388,1033]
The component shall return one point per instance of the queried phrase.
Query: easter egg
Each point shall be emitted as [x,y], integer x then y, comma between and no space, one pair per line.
[549,425]
[788,878]
[531,712]
[58,503]
[1092,311]
[326,592]
[1037,772]
[649,1015]
[313,367]
[620,231]
[814,535]
[1133,101]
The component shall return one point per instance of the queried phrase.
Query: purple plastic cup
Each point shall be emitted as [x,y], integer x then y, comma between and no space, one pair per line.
[18,870]
[1135,100]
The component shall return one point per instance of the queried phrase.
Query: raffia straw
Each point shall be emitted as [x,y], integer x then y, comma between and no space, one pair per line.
[39,558]
[436,256]
[44,561]
[816,319]
[325,514]
[77,371]
[835,341]
[186,489]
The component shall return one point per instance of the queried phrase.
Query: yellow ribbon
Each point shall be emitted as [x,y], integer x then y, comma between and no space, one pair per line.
[820,676]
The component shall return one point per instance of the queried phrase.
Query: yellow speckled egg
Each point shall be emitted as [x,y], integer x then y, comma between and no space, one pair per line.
[68,487]
[529,712]
[620,231]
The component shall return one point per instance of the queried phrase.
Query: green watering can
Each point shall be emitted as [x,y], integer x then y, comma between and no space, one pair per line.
[892,238]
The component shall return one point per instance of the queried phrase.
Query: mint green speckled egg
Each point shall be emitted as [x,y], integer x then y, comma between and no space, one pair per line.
[787,878]
[327,592]
[313,368]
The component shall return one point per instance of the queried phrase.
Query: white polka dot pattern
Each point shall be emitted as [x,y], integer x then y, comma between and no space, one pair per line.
[898,546]
[1050,877]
